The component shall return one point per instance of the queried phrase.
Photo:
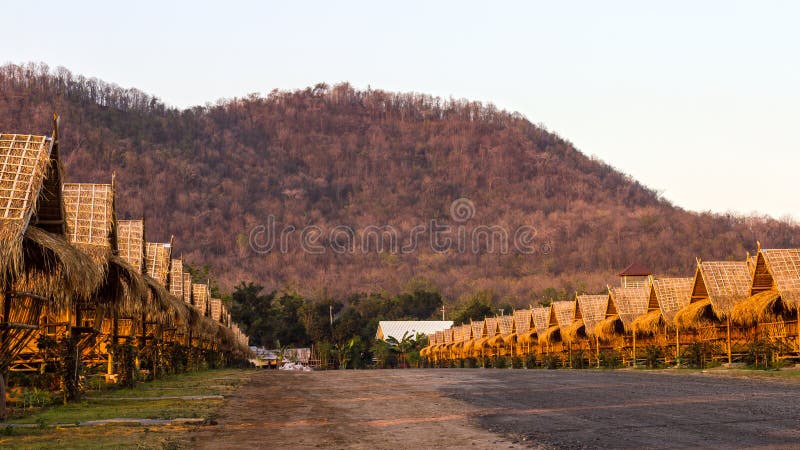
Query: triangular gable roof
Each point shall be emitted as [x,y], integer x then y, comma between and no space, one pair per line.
[448,336]
[438,337]
[669,295]
[478,329]
[89,210]
[176,278]
[130,242]
[522,321]
[457,334]
[491,326]
[592,310]
[466,331]
[505,324]
[629,302]
[200,294]
[25,165]
[541,318]
[564,313]
[722,282]
[635,270]
[778,269]
[157,260]
[187,288]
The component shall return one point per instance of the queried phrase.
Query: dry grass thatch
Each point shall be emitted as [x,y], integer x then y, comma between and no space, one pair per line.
[505,324]
[522,321]
[610,328]
[696,315]
[564,312]
[89,214]
[24,165]
[53,269]
[130,242]
[531,337]
[540,316]
[123,290]
[491,326]
[551,336]
[187,288]
[763,307]
[157,259]
[176,278]
[724,283]
[573,332]
[593,310]
[783,266]
[650,323]
[672,294]
[630,303]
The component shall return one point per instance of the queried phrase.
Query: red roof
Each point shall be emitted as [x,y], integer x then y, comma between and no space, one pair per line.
[635,270]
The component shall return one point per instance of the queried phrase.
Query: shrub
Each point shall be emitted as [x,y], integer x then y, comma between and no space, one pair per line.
[487,363]
[470,363]
[516,362]
[500,362]
[579,360]
[610,359]
[530,361]
[696,354]
[551,361]
[652,356]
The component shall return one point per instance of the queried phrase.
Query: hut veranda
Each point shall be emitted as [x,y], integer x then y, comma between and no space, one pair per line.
[85,293]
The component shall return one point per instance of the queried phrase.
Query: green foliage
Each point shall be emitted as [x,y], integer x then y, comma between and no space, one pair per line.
[610,359]
[579,360]
[500,362]
[762,354]
[470,363]
[487,362]
[381,352]
[551,361]
[517,362]
[652,356]
[696,355]
[530,361]
[477,307]
[69,369]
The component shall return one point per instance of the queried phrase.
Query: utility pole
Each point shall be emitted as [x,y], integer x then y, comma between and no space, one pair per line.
[330,312]
[442,310]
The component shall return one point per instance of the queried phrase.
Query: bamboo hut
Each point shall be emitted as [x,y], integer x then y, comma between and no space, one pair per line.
[489,344]
[772,307]
[525,330]
[667,297]
[716,288]
[39,270]
[542,317]
[590,310]
[91,227]
[507,333]
[564,315]
[478,337]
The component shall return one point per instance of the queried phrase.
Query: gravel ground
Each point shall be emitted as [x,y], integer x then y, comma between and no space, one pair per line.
[477,408]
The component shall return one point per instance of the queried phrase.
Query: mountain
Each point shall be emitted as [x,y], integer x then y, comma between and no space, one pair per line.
[326,160]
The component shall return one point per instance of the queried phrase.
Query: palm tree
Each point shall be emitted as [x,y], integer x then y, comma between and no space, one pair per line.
[403,346]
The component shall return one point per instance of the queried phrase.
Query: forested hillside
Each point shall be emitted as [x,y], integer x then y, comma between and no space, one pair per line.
[328,156]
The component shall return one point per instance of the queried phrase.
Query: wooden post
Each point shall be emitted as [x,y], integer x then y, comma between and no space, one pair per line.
[730,351]
[677,346]
[4,343]
[597,347]
[634,349]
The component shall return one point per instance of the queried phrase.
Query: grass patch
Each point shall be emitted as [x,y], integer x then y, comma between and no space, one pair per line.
[210,382]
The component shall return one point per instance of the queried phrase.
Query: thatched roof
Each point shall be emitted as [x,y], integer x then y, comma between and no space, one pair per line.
[89,212]
[592,309]
[466,331]
[722,282]
[564,313]
[157,259]
[762,307]
[522,321]
[448,336]
[505,324]
[478,329]
[34,254]
[629,302]
[670,295]
[541,318]
[696,314]
[438,338]
[778,269]
[130,242]
[176,278]
[187,288]
[215,306]
[491,326]
[201,297]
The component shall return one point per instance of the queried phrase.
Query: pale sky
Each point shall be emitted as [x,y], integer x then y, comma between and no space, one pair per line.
[701,102]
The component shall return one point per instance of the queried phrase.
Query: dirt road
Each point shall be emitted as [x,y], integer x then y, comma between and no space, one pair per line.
[505,409]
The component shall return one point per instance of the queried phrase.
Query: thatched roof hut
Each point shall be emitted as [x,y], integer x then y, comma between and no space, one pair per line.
[523,324]
[37,265]
[716,288]
[544,320]
[667,297]
[630,303]
[591,309]
[92,228]
[775,289]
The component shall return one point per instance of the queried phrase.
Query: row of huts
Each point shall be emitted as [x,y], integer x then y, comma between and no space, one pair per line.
[70,268]
[727,306]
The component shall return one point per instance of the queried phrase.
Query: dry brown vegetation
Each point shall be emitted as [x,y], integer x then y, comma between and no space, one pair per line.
[332,155]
